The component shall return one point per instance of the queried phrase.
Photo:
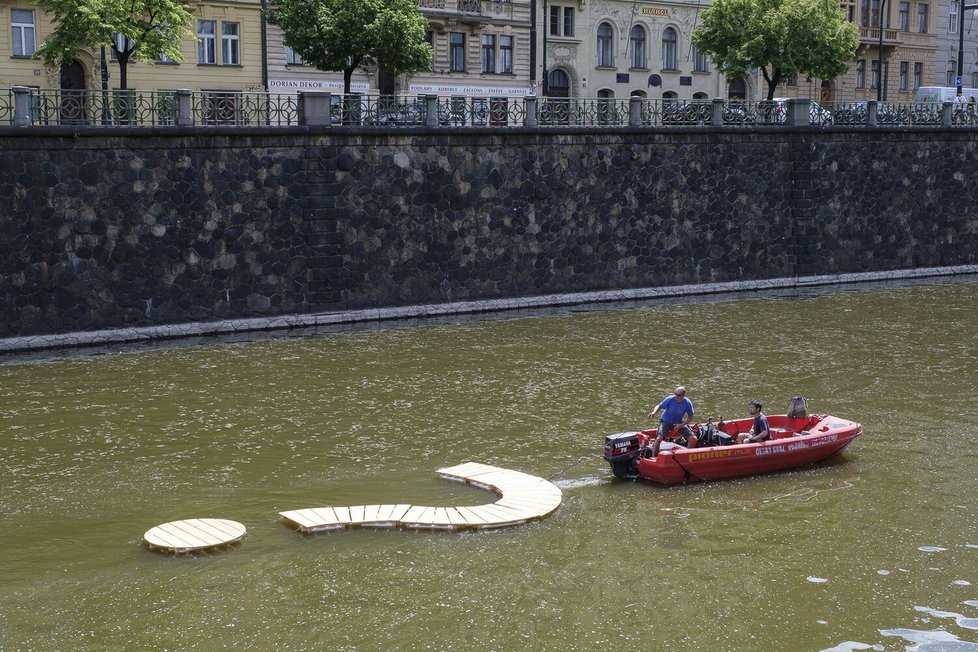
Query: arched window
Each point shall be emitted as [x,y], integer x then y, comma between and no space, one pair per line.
[558,83]
[641,94]
[637,43]
[670,45]
[605,48]
[700,96]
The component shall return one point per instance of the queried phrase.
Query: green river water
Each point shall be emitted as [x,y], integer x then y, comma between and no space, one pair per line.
[877,549]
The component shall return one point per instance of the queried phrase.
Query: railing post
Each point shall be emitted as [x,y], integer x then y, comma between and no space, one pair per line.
[314,108]
[872,113]
[947,114]
[185,108]
[718,112]
[530,111]
[431,110]
[634,111]
[22,106]
[799,112]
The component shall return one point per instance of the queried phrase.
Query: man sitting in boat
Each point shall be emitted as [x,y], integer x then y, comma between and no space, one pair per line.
[760,430]
[677,410]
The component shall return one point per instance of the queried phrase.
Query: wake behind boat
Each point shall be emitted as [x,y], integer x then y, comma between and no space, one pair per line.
[796,439]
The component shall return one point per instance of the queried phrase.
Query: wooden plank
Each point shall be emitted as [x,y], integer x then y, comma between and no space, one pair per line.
[298,517]
[356,514]
[186,534]
[324,516]
[412,513]
[342,514]
[456,518]
[471,516]
[397,514]
[370,513]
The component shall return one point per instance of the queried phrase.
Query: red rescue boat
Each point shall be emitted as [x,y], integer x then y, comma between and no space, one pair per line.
[795,441]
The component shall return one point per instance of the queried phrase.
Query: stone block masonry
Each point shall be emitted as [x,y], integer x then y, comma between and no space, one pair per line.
[127,228]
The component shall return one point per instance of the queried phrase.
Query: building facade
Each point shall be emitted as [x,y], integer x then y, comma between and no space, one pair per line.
[948,36]
[224,53]
[621,48]
[481,48]
[909,54]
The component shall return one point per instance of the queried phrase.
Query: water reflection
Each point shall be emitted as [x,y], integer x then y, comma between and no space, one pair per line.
[98,449]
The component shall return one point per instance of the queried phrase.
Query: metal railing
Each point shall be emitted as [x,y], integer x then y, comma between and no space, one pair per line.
[23,106]
[6,106]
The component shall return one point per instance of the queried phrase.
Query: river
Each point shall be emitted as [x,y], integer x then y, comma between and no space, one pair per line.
[877,549]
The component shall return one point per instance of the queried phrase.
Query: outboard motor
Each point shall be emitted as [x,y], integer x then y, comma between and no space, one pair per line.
[798,408]
[622,451]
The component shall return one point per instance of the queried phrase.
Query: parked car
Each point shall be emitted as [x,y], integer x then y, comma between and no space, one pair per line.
[858,113]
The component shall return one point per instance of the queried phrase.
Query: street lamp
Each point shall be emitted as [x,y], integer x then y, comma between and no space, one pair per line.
[543,56]
[960,79]
[879,85]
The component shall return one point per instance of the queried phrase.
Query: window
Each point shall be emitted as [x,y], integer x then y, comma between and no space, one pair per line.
[206,47]
[506,55]
[560,27]
[904,72]
[904,16]
[918,75]
[292,58]
[864,13]
[637,42]
[791,80]
[949,78]
[861,73]
[122,43]
[874,81]
[874,13]
[605,50]
[230,44]
[922,18]
[974,80]
[22,32]
[670,44]
[952,18]
[456,52]
[488,53]
[699,61]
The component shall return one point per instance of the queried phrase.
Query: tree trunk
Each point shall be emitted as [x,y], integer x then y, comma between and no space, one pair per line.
[347,79]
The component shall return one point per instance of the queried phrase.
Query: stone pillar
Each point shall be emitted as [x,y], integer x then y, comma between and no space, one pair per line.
[718,112]
[185,108]
[872,113]
[431,114]
[314,108]
[947,114]
[799,112]
[634,111]
[530,111]
[22,106]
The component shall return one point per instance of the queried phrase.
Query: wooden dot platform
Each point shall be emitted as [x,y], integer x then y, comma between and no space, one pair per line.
[523,498]
[194,535]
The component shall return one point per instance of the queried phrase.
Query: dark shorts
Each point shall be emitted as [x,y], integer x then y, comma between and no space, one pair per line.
[666,430]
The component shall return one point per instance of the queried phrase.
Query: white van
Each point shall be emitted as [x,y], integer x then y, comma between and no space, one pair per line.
[941,94]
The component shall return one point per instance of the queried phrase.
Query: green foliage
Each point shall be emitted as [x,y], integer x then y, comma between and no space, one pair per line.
[344,34]
[152,27]
[782,38]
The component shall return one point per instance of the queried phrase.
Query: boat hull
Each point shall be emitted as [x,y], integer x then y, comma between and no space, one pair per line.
[793,446]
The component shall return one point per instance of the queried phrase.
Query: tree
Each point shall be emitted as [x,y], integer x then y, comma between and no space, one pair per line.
[344,34]
[782,38]
[133,29]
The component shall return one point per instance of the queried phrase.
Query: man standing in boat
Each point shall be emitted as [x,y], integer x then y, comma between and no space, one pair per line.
[677,410]
[760,431]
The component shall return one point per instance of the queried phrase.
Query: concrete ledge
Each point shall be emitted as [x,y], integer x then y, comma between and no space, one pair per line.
[422,311]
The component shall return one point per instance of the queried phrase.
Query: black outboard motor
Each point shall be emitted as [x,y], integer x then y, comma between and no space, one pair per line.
[622,451]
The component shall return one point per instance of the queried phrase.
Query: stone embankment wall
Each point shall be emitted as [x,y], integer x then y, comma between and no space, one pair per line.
[139,227]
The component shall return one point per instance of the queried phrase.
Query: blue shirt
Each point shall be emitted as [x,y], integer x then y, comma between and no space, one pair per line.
[674,411]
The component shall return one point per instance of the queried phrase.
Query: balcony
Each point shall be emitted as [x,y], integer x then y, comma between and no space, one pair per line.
[871,36]
[482,8]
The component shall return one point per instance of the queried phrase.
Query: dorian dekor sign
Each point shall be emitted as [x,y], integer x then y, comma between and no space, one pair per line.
[292,85]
